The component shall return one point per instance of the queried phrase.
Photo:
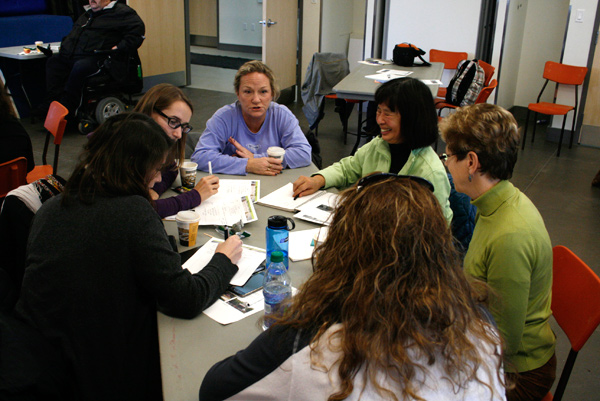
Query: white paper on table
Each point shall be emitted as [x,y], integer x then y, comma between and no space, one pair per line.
[232,188]
[302,243]
[319,210]
[252,257]
[220,211]
[283,198]
[432,81]
[222,312]
[388,75]
[375,61]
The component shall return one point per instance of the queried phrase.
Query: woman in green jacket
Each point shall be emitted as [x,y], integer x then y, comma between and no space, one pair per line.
[510,249]
[408,124]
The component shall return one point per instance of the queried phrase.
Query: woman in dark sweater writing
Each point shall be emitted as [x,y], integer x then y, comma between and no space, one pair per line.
[99,265]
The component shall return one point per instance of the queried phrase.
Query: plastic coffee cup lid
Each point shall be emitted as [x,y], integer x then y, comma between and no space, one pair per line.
[188,216]
[275,150]
[189,165]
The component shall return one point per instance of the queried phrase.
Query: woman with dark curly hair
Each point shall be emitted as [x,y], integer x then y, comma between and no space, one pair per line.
[387,313]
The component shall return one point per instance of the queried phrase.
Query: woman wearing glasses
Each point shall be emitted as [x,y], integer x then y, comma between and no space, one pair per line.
[408,122]
[238,135]
[387,313]
[172,110]
[510,249]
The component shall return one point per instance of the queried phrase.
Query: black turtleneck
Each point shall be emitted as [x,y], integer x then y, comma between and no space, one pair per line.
[400,153]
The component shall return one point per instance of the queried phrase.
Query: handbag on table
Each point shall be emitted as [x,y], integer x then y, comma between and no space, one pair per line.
[404,55]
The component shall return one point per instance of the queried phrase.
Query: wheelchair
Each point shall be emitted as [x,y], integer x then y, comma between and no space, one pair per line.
[109,91]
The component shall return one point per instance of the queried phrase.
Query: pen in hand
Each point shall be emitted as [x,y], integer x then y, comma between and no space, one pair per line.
[296,197]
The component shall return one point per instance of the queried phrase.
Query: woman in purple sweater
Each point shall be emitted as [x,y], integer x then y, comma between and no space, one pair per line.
[172,110]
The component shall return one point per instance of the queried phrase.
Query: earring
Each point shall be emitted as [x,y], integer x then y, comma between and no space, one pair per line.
[470,177]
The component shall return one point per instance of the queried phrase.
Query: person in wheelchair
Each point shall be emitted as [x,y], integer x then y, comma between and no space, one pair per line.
[106,25]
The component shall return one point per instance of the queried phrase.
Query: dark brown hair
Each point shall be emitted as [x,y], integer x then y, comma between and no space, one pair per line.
[389,273]
[119,159]
[161,97]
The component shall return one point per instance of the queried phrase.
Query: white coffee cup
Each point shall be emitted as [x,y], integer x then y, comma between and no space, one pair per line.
[187,171]
[276,152]
[38,43]
[187,227]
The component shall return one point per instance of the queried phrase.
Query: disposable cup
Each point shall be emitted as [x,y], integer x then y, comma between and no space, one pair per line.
[187,171]
[38,43]
[276,152]
[187,227]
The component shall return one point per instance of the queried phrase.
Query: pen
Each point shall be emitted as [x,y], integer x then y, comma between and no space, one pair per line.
[226,233]
[210,168]
[296,197]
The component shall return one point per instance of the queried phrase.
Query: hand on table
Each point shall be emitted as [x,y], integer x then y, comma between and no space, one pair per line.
[264,166]
[232,248]
[207,187]
[308,185]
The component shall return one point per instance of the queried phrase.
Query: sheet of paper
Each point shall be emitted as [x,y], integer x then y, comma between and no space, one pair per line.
[231,188]
[230,308]
[226,211]
[252,257]
[388,75]
[319,209]
[302,243]
[432,81]
[283,198]
[375,61]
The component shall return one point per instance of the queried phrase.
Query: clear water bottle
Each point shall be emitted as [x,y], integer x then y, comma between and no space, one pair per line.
[277,289]
[278,235]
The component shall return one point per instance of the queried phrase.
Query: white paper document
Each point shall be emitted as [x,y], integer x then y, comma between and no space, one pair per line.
[232,188]
[230,308]
[252,257]
[283,198]
[318,210]
[302,243]
[387,75]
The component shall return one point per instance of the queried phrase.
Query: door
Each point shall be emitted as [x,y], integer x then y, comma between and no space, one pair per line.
[280,39]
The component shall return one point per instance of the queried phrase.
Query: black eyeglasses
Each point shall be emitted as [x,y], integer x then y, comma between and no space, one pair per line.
[373,178]
[175,122]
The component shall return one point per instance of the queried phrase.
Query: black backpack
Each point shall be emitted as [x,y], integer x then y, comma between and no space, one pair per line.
[466,84]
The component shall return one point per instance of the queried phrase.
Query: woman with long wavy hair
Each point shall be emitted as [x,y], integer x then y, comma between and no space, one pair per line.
[387,314]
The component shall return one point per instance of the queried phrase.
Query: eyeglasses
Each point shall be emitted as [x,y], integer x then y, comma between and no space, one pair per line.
[445,156]
[373,178]
[175,122]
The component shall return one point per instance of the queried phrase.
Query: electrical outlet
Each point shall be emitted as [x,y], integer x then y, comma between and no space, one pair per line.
[253,27]
[579,15]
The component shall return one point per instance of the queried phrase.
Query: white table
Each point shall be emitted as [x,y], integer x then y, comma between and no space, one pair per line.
[188,348]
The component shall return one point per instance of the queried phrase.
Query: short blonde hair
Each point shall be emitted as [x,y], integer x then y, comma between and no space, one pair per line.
[260,67]
[488,130]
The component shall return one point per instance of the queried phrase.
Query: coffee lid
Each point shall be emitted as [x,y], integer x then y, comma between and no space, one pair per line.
[188,215]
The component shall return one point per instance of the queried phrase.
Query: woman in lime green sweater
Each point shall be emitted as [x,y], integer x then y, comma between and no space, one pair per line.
[510,249]
[408,124]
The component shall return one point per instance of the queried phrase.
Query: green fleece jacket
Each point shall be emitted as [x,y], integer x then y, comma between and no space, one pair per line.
[375,156]
[512,253]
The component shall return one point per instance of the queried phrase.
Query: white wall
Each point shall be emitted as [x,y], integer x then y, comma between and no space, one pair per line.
[238,22]
[543,36]
[337,24]
[511,52]
[311,33]
[579,38]
[433,24]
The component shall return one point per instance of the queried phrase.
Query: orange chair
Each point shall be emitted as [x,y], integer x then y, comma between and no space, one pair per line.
[450,60]
[12,175]
[575,306]
[483,96]
[489,70]
[562,74]
[55,125]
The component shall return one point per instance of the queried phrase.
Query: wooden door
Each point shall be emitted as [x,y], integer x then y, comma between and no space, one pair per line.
[280,40]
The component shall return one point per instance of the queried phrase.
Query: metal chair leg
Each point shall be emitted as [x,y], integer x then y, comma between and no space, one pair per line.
[535,116]
[525,130]
[562,132]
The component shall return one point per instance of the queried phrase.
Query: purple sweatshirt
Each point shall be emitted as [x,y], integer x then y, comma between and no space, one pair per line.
[174,204]
[280,128]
